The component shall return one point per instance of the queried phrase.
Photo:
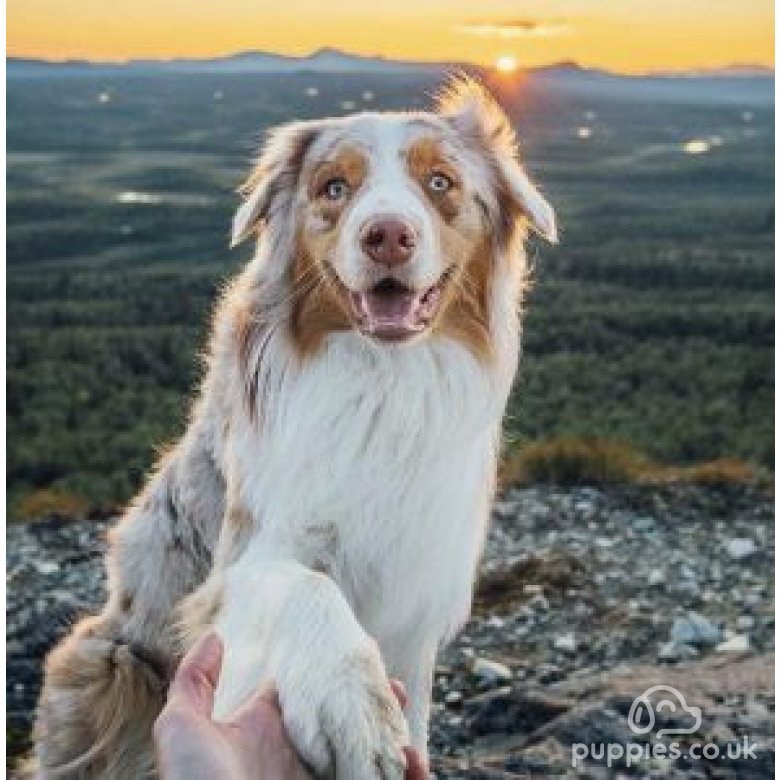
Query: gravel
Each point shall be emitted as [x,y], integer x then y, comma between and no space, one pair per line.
[586,599]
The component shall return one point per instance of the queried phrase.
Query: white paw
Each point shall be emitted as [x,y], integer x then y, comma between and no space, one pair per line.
[348,724]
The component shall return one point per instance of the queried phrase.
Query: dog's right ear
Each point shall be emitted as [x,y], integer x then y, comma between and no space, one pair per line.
[273,178]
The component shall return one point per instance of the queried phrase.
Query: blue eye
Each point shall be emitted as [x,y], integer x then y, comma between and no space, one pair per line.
[439,182]
[336,189]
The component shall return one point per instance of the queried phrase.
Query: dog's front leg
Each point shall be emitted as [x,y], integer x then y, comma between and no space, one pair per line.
[413,662]
[289,626]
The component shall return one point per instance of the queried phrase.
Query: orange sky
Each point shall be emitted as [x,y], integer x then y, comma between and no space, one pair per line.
[623,35]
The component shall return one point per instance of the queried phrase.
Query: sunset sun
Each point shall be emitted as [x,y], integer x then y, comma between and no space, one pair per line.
[506,63]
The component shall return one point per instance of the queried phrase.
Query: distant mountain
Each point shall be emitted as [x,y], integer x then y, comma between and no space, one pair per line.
[321,61]
[736,85]
[564,66]
[736,70]
[571,68]
[329,60]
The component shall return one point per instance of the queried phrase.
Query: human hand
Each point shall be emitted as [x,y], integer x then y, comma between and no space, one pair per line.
[251,746]
[189,744]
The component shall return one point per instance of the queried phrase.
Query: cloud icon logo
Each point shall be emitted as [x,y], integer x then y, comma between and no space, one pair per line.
[660,699]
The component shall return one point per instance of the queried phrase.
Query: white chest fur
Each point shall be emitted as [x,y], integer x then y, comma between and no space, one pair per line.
[376,464]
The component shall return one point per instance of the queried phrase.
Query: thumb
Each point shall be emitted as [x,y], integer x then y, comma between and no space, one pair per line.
[197,675]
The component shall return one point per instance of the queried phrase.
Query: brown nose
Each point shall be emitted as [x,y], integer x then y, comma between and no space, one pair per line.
[389,241]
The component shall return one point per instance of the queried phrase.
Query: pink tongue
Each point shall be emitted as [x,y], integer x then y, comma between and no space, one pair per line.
[392,315]
[393,309]
[397,314]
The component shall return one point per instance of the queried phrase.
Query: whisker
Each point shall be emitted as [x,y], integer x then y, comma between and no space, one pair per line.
[301,286]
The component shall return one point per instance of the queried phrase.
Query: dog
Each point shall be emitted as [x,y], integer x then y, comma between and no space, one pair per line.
[326,508]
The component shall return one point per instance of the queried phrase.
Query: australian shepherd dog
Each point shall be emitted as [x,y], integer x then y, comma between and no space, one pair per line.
[325,510]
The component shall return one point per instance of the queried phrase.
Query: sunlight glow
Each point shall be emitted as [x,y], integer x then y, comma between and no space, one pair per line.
[506,63]
[696,146]
[131,196]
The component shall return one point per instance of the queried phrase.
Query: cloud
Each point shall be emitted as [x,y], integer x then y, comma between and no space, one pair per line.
[515,28]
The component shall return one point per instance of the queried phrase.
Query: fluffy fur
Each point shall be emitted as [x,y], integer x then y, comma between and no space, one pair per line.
[326,508]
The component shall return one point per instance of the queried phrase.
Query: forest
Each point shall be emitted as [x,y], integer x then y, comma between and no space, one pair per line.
[651,323]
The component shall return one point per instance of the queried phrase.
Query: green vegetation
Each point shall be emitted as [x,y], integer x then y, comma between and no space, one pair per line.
[651,323]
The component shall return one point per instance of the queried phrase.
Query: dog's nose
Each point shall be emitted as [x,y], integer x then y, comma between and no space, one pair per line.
[389,241]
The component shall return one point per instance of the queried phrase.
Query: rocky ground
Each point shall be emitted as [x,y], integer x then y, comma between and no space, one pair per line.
[587,599]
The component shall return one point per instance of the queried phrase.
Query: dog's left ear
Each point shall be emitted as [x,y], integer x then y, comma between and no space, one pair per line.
[271,183]
[478,119]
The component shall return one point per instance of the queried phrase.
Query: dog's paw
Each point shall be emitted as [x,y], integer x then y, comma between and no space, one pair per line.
[348,725]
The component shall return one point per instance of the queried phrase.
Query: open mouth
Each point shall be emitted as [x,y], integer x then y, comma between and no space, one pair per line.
[391,311]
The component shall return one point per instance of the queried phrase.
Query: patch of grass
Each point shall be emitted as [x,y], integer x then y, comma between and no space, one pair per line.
[50,501]
[573,461]
[720,473]
[584,461]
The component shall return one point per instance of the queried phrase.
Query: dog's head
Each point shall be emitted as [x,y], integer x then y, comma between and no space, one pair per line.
[389,223]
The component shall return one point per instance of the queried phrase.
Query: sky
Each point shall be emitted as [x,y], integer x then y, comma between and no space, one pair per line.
[632,36]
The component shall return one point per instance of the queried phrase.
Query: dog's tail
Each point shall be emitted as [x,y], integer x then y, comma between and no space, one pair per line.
[98,706]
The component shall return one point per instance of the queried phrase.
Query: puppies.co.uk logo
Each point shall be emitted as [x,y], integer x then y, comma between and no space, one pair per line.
[660,705]
[661,699]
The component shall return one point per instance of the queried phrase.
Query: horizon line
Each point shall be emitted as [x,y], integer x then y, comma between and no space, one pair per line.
[758,67]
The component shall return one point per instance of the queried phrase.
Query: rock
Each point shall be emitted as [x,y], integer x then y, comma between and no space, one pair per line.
[745,622]
[656,577]
[14,647]
[532,589]
[505,509]
[696,630]
[663,766]
[540,603]
[643,524]
[671,651]
[740,548]
[737,645]
[46,567]
[453,697]
[565,643]
[490,671]
[549,673]
[720,732]
[688,589]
